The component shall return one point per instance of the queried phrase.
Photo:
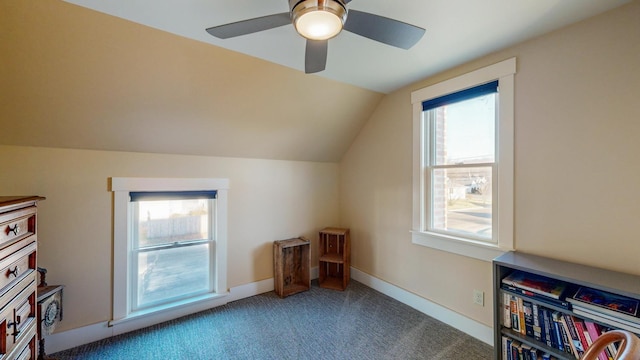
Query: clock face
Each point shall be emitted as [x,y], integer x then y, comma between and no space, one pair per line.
[51,313]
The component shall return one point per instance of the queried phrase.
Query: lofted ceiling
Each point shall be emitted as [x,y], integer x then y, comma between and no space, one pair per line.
[457,31]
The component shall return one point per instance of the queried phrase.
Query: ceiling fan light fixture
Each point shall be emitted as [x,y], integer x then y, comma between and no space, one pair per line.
[318,19]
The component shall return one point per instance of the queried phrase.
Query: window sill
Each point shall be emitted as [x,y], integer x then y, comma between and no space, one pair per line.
[472,249]
[176,309]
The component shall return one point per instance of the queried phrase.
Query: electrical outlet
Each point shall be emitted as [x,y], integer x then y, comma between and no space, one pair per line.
[478,297]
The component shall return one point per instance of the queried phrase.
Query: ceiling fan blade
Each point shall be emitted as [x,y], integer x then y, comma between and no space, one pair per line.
[315,58]
[379,28]
[250,26]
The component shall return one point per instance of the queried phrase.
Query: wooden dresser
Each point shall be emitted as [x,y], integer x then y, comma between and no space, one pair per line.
[18,277]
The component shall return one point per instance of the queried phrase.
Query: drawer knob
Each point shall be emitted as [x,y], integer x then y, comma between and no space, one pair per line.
[13,272]
[15,229]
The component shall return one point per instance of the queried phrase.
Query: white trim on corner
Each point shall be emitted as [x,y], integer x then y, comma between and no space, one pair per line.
[479,331]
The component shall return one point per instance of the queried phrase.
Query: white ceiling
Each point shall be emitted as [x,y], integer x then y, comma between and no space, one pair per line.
[456,31]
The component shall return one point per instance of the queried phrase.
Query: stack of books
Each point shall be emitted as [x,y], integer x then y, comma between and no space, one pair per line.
[530,307]
[540,288]
[609,309]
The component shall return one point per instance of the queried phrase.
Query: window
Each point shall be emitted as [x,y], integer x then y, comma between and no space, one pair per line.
[169,243]
[172,241]
[463,163]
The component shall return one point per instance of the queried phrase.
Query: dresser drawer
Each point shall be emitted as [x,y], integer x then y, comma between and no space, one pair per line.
[16,266]
[27,352]
[26,348]
[17,224]
[17,322]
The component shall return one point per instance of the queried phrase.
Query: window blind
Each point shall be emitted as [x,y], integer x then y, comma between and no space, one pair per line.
[462,95]
[171,195]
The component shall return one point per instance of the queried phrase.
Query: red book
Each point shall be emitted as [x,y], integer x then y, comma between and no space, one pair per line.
[580,329]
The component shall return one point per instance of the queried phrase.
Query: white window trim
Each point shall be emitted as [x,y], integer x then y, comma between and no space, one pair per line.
[121,188]
[503,72]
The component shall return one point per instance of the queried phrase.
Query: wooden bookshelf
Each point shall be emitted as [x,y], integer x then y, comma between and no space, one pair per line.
[574,275]
[334,258]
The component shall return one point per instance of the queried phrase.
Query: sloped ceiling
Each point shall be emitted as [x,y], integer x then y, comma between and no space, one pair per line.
[76,78]
[457,31]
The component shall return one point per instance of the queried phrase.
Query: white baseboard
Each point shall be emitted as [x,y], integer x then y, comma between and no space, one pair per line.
[478,330]
[75,337]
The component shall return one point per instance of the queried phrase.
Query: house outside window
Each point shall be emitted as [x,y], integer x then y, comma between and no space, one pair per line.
[463,163]
[169,244]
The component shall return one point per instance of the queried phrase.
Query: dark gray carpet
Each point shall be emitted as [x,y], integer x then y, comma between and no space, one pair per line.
[358,323]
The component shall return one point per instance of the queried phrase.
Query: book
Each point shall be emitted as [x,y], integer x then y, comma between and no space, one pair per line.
[506,308]
[561,303]
[535,283]
[574,340]
[569,335]
[594,334]
[521,316]
[559,334]
[527,309]
[607,320]
[548,328]
[506,348]
[515,317]
[526,351]
[537,328]
[516,350]
[608,303]
[580,330]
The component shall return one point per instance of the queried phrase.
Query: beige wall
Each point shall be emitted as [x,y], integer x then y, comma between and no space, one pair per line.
[72,78]
[75,78]
[577,126]
[268,200]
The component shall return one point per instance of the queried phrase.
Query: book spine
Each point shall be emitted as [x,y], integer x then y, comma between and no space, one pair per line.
[506,308]
[567,335]
[521,316]
[594,334]
[515,318]
[515,352]
[506,342]
[581,329]
[537,329]
[557,331]
[527,309]
[548,328]
[526,352]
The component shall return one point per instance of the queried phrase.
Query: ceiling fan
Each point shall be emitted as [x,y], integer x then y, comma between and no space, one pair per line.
[320,20]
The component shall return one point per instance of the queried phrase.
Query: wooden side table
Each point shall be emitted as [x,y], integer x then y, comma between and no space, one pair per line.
[335,258]
[49,310]
[291,261]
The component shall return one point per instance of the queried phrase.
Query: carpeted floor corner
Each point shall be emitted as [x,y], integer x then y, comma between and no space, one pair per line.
[358,323]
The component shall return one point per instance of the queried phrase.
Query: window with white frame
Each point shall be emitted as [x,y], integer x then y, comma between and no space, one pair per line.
[169,243]
[463,163]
